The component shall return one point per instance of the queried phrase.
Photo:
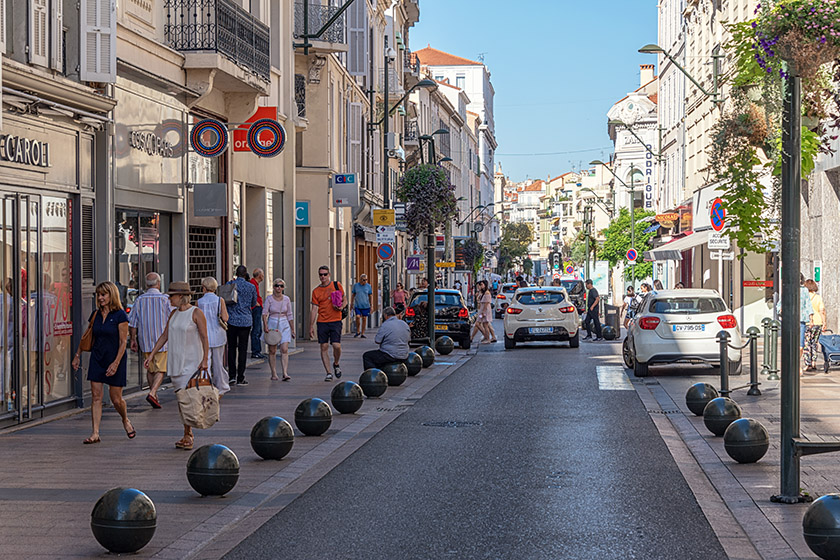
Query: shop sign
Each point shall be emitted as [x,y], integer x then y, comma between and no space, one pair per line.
[667,219]
[18,149]
[210,199]
[302,213]
[240,134]
[150,143]
[649,179]
[758,283]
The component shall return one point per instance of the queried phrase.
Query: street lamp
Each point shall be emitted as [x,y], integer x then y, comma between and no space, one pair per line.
[629,128]
[431,139]
[714,94]
[632,188]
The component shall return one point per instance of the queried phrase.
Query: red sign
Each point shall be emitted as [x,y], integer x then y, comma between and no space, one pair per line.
[758,283]
[240,134]
[717,213]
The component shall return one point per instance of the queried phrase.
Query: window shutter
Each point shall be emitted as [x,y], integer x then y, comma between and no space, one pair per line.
[38,42]
[3,26]
[87,240]
[355,134]
[57,36]
[357,29]
[98,41]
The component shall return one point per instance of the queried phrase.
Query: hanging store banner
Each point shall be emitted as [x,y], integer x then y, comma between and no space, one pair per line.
[209,138]
[210,199]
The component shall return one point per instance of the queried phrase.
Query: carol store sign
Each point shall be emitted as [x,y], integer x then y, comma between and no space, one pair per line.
[19,149]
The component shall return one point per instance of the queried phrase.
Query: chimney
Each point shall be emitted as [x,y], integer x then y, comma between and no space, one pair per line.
[647,73]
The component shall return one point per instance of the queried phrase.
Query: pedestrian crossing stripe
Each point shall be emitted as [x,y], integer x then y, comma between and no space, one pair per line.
[613,378]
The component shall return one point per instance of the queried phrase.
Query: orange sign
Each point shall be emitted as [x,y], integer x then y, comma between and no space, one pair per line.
[670,217]
[240,134]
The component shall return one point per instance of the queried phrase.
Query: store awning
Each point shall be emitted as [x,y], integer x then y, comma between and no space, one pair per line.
[672,251]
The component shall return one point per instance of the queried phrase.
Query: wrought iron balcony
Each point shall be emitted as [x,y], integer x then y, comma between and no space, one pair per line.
[318,16]
[300,95]
[411,136]
[411,63]
[219,26]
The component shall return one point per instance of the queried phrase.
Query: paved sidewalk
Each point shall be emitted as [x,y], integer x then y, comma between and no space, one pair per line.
[49,481]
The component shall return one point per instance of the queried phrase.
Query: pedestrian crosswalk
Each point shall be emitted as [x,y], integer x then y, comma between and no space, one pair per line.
[613,378]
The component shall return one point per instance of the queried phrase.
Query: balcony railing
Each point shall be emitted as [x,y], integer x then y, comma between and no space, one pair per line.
[318,16]
[411,63]
[219,26]
[411,136]
[300,95]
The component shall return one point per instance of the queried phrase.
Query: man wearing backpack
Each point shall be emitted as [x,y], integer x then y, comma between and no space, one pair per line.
[240,320]
[328,304]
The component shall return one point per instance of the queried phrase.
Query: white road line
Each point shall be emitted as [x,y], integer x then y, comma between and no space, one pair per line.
[613,378]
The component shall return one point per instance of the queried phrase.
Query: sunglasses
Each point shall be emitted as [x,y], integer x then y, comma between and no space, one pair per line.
[323,274]
[279,285]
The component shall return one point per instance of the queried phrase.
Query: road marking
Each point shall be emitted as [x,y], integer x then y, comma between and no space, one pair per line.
[613,378]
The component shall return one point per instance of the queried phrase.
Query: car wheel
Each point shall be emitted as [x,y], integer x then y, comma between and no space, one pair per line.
[574,342]
[465,343]
[735,368]
[640,369]
[627,354]
[510,344]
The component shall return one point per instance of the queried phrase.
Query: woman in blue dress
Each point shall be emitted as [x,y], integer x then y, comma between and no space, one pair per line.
[107,357]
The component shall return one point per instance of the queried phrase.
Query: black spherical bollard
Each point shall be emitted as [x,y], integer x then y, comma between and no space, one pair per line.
[414,363]
[374,382]
[123,520]
[213,470]
[396,372]
[313,417]
[719,413]
[347,397]
[444,345]
[821,526]
[698,396]
[427,355]
[746,440]
[272,438]
[608,332]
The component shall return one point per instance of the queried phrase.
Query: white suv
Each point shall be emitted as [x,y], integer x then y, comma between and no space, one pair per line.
[541,313]
[681,326]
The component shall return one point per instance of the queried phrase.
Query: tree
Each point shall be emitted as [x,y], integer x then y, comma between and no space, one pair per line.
[617,242]
[527,266]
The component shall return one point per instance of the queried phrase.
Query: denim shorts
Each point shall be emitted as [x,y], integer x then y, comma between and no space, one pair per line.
[802,334]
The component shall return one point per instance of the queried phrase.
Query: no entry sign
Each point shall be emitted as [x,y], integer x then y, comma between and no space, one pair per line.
[717,214]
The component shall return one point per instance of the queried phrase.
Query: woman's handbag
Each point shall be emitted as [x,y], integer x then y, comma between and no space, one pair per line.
[198,403]
[86,343]
[222,322]
[273,338]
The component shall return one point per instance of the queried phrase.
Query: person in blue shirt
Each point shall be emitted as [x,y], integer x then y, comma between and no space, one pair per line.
[240,321]
[360,301]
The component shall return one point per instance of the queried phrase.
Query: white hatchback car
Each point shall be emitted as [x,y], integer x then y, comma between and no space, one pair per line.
[681,326]
[541,313]
[504,297]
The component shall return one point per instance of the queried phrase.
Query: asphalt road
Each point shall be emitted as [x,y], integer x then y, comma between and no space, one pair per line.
[517,455]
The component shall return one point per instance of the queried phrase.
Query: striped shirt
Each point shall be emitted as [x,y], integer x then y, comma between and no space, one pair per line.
[149,316]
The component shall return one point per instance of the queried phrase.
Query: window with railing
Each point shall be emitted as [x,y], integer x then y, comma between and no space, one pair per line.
[300,95]
[411,62]
[445,146]
[318,15]
[411,134]
[220,26]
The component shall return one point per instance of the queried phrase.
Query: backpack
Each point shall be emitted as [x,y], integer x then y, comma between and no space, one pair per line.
[337,299]
[228,293]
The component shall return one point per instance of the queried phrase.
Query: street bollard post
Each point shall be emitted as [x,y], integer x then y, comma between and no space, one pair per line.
[774,351]
[723,340]
[753,333]
[765,356]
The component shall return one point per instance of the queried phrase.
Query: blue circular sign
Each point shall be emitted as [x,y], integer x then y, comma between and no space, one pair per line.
[570,269]
[385,251]
[631,254]
[717,214]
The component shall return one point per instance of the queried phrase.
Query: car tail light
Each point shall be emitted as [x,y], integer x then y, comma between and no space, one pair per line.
[500,296]
[513,310]
[568,309]
[728,321]
[649,323]
[464,313]
[409,312]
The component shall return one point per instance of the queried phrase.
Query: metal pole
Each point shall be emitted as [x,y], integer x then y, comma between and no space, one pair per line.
[386,169]
[774,351]
[723,340]
[633,221]
[753,333]
[765,356]
[791,177]
[430,276]
[586,228]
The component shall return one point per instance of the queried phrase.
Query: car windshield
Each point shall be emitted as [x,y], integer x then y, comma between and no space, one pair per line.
[509,288]
[687,305]
[572,286]
[540,297]
[440,299]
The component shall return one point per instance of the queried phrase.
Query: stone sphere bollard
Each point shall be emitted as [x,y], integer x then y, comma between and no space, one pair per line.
[272,438]
[427,355]
[374,382]
[444,345]
[123,520]
[213,470]
[313,417]
[821,526]
[746,440]
[698,396]
[608,332]
[347,397]
[414,363]
[396,372]
[719,413]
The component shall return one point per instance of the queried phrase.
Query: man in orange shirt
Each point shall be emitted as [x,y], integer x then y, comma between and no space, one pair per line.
[326,311]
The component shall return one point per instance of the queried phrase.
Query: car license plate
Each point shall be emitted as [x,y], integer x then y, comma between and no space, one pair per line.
[689,328]
[440,327]
[540,330]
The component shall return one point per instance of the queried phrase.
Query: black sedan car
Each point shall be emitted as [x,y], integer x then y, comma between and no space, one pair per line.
[452,318]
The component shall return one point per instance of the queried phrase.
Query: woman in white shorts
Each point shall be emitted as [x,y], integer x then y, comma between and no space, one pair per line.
[278,328]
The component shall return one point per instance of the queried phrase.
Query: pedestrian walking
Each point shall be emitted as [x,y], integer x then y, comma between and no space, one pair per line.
[278,321]
[328,301]
[393,337]
[256,316]
[657,284]
[360,302]
[108,326]
[494,290]
[484,316]
[592,301]
[806,314]
[239,326]
[627,305]
[216,316]
[815,327]
[187,331]
[399,296]
[147,319]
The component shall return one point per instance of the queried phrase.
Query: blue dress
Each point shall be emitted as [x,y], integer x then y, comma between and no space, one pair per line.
[106,344]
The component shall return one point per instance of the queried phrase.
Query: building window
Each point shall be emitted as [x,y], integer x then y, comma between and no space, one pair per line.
[460,81]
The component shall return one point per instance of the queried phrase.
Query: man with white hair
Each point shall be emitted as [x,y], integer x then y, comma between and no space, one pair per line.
[148,318]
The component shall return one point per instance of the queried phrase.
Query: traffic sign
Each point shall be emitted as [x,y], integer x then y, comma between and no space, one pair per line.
[718,242]
[717,213]
[631,255]
[385,217]
[556,276]
[722,255]
[570,269]
[385,251]
[488,254]
[386,234]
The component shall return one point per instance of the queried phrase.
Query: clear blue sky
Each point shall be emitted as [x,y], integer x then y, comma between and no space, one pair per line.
[557,67]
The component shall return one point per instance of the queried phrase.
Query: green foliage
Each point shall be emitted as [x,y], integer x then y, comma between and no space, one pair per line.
[617,242]
[578,250]
[527,266]
[742,46]
[429,197]
[473,254]
[810,151]
[513,245]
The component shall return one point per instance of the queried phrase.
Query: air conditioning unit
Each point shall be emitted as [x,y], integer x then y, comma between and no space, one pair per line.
[397,153]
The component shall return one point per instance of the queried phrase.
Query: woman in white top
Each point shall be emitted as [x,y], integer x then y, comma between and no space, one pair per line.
[214,310]
[627,305]
[186,330]
[278,328]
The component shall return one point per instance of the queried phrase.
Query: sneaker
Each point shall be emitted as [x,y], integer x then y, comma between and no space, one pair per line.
[356,335]
[257,356]
[599,338]
[337,370]
[362,336]
[328,377]
[231,382]
[243,382]
[587,337]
